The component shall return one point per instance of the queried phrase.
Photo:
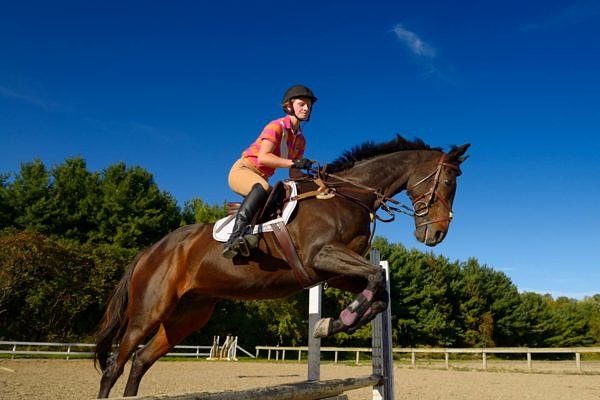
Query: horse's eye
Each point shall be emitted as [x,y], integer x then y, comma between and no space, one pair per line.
[447,182]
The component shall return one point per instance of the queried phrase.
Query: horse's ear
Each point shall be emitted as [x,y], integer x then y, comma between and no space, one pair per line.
[458,153]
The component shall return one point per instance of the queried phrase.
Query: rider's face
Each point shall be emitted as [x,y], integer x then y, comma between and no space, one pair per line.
[301,107]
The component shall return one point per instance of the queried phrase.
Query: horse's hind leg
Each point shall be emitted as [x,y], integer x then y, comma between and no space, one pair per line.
[116,362]
[189,316]
[341,261]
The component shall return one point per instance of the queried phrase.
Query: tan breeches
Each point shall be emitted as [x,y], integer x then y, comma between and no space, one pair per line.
[243,175]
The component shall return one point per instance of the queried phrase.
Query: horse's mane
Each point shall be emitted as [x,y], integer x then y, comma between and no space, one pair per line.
[370,149]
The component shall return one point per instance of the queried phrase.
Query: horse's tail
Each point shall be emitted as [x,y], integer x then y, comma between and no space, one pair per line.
[114,321]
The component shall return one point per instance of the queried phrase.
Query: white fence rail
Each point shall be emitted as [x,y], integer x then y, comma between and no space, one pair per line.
[279,352]
[85,349]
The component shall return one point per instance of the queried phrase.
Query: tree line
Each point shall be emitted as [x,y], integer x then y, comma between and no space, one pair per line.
[68,234]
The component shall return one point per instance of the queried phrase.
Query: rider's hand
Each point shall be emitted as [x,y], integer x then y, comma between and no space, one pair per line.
[303,163]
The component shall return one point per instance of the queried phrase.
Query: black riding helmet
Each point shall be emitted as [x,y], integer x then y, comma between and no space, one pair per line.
[295,92]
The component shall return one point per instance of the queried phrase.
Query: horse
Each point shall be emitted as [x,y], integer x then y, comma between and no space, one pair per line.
[170,289]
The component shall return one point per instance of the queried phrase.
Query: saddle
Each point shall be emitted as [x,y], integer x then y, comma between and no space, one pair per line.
[273,207]
[279,207]
[273,217]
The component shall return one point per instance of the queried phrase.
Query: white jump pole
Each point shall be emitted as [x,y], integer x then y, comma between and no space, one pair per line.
[383,360]
[314,344]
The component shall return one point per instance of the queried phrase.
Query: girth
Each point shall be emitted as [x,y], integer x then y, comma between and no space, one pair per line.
[286,246]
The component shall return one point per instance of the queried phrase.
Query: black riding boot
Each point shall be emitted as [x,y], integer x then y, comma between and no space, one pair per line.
[248,209]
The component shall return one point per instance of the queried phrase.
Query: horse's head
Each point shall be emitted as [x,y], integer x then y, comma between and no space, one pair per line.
[432,195]
[385,169]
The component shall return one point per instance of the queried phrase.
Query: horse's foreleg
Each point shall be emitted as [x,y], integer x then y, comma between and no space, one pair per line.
[339,260]
[378,305]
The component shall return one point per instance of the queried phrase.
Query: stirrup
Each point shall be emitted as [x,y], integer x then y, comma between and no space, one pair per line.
[231,248]
[251,240]
[237,246]
[243,247]
[229,252]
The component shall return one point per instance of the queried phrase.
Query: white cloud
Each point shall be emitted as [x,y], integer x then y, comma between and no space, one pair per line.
[426,55]
[414,42]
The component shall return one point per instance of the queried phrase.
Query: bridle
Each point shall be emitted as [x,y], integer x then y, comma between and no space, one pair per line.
[422,203]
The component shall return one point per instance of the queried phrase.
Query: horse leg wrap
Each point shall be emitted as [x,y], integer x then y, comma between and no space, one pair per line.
[357,308]
[366,317]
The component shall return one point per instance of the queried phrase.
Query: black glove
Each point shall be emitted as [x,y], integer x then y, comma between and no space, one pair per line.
[303,163]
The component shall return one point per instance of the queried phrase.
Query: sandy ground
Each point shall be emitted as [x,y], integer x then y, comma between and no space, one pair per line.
[77,379]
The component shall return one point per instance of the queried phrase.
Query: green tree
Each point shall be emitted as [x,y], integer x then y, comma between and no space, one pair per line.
[423,297]
[7,212]
[592,310]
[488,307]
[424,294]
[282,321]
[571,319]
[41,281]
[198,212]
[534,320]
[133,212]
[74,195]
[258,322]
[52,289]
[29,196]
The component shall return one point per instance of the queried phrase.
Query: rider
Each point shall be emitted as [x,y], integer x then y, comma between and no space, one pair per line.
[280,145]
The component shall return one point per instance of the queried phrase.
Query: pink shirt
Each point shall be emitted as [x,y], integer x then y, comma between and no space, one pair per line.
[276,131]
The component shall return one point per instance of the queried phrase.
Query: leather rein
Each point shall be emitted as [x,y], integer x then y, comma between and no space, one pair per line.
[421,204]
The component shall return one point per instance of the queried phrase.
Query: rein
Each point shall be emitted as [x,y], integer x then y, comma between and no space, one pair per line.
[420,206]
[382,200]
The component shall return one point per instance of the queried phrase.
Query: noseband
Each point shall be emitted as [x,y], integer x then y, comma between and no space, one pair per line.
[423,202]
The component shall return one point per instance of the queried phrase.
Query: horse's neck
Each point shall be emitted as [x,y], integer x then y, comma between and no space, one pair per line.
[389,173]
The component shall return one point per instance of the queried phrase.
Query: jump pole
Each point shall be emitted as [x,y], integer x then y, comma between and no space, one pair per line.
[318,390]
[382,357]
[314,344]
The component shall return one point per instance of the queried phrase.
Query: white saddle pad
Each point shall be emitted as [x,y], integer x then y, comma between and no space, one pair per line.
[223,227]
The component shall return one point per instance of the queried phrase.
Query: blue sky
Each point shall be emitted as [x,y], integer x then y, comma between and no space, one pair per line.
[181,88]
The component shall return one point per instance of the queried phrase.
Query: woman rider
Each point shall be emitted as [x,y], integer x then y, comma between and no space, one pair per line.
[280,145]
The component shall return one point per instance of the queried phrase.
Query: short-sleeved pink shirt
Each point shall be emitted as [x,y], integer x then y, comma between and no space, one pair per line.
[288,144]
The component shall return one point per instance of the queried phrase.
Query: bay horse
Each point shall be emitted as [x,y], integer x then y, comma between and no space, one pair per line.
[171,288]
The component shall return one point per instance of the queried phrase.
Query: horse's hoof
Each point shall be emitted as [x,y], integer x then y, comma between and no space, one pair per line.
[322,328]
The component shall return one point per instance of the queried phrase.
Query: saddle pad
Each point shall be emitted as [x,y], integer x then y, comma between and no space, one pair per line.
[223,227]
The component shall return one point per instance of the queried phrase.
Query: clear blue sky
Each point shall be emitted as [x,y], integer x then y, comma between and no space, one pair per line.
[181,88]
